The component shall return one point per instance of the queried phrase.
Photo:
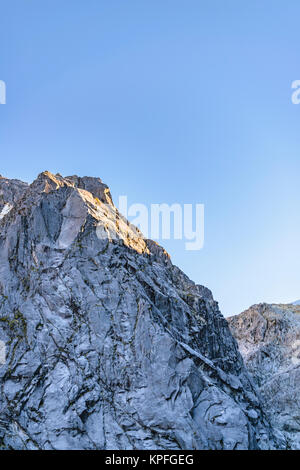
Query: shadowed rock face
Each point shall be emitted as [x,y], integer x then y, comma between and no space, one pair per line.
[107,344]
[269,340]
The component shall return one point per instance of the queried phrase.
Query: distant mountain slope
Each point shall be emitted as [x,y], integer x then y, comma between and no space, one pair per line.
[269,340]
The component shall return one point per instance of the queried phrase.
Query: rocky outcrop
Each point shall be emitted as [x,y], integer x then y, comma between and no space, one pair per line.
[269,340]
[104,343]
[10,192]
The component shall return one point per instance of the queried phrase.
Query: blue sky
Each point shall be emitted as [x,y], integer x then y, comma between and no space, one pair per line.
[169,101]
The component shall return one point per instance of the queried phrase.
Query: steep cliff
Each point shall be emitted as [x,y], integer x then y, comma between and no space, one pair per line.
[269,340]
[106,344]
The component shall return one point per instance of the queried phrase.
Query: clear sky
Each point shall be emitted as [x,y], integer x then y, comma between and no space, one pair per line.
[169,101]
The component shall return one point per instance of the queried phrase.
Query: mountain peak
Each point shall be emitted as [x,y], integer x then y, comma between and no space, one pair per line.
[93,185]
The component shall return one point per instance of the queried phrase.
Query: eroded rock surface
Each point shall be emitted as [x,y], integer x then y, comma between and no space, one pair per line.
[269,340]
[107,344]
[10,192]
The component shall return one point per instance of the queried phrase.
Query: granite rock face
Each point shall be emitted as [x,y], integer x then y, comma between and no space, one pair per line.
[10,192]
[269,340]
[104,343]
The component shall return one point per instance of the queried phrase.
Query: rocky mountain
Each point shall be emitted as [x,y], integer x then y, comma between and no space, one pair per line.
[104,343]
[269,340]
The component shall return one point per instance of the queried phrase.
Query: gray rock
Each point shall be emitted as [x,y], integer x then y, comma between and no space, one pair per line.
[10,192]
[108,345]
[269,340]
